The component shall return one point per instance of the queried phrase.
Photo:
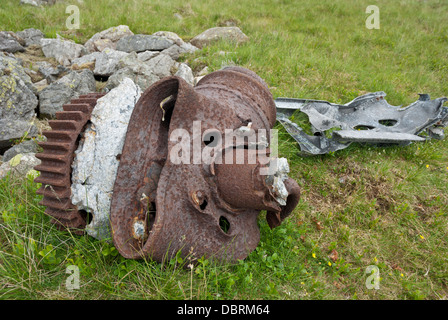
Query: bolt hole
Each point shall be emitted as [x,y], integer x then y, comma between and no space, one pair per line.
[203,205]
[361,127]
[88,216]
[151,217]
[224,224]
[388,122]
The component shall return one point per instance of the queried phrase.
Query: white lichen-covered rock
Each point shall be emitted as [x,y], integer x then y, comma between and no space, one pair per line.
[107,38]
[232,34]
[19,166]
[95,164]
[143,73]
[60,92]
[185,72]
[64,51]
[107,61]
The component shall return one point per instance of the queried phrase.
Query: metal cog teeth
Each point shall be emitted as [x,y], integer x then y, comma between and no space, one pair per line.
[56,160]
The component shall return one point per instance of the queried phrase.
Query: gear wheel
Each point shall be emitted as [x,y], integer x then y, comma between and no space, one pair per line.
[56,160]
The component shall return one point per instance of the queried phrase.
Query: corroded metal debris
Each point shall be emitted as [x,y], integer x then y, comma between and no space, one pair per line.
[368,119]
[178,186]
[160,206]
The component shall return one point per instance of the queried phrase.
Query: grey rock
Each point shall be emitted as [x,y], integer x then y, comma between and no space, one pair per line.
[233,34]
[60,92]
[12,129]
[40,85]
[50,72]
[9,42]
[143,73]
[27,146]
[147,55]
[10,65]
[64,51]
[179,46]
[107,38]
[178,16]
[203,72]
[107,62]
[38,3]
[136,70]
[161,65]
[17,101]
[142,42]
[185,72]
[95,163]
[88,58]
[35,3]
[170,36]
[174,51]
[141,78]
[31,36]
[20,165]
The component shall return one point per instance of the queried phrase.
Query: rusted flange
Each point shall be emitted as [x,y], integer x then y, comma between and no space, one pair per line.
[161,205]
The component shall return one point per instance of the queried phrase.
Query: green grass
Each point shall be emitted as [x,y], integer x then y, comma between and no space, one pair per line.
[383,206]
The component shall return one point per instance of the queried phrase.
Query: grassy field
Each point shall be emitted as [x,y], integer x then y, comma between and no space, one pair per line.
[361,206]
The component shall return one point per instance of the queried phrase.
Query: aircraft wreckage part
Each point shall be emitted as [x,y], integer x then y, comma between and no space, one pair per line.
[56,158]
[160,207]
[368,118]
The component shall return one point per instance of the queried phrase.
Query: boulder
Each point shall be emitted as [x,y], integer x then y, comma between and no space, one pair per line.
[60,92]
[17,101]
[31,36]
[11,130]
[20,165]
[179,47]
[161,65]
[142,42]
[233,34]
[107,38]
[64,51]
[40,85]
[174,51]
[9,42]
[49,72]
[107,62]
[147,55]
[85,59]
[27,146]
[185,72]
[104,62]
[143,73]
[96,160]
[38,3]
[35,3]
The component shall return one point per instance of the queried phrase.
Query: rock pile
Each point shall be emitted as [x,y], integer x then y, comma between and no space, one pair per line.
[39,75]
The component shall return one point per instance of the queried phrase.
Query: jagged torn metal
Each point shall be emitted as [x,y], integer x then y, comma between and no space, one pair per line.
[367,118]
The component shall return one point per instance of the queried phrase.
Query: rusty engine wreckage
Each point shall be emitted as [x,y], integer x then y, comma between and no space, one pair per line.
[159,206]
